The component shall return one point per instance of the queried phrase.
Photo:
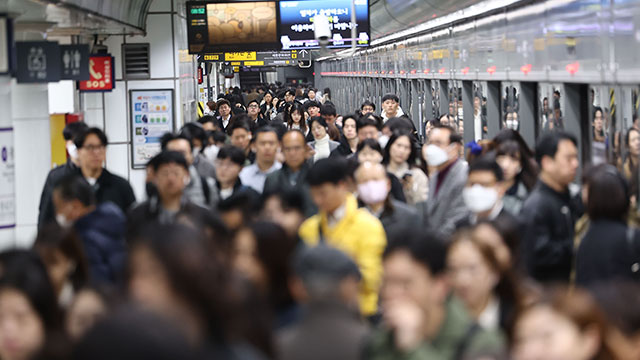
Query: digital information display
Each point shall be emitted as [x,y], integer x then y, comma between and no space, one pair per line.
[297,28]
[232,26]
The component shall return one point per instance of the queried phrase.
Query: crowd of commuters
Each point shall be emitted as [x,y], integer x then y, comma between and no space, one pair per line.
[276,228]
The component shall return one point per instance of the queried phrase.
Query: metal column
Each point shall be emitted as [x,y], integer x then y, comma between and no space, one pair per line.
[444,97]
[467,111]
[493,108]
[575,116]
[527,113]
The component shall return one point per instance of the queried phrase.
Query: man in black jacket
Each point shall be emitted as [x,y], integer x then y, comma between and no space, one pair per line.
[170,177]
[550,212]
[292,175]
[70,132]
[92,146]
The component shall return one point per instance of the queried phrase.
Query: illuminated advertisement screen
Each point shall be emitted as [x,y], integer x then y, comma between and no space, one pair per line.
[297,28]
[228,26]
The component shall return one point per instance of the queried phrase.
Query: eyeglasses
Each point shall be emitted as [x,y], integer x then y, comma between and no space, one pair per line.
[94,147]
[253,106]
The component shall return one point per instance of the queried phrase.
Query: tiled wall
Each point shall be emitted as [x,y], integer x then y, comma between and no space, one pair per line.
[171,68]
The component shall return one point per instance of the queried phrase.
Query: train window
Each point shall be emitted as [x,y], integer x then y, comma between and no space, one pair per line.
[510,106]
[550,115]
[435,98]
[603,125]
[480,110]
[455,118]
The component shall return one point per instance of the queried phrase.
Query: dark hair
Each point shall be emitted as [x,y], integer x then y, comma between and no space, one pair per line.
[579,308]
[236,155]
[319,120]
[275,251]
[608,193]
[311,103]
[72,130]
[328,109]
[75,187]
[424,246]
[370,143]
[370,120]
[454,137]
[618,301]
[330,170]
[53,238]
[487,163]
[266,129]
[548,144]
[169,137]
[218,136]
[628,137]
[169,157]
[253,101]
[290,199]
[368,103]
[207,118]
[393,97]
[241,121]
[23,270]
[192,274]
[82,137]
[194,130]
[353,117]
[507,286]
[131,333]
[413,155]
[289,120]
[529,172]
[222,102]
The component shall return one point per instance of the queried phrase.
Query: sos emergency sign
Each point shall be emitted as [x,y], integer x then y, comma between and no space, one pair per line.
[101,74]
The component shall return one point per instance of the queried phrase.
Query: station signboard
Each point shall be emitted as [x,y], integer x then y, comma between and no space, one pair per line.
[260,58]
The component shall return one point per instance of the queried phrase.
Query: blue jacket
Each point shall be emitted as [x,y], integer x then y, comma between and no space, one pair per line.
[102,234]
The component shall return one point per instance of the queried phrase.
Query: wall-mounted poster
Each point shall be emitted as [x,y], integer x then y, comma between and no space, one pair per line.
[151,117]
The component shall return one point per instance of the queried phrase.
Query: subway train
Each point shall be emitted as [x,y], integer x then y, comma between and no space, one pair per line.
[550,63]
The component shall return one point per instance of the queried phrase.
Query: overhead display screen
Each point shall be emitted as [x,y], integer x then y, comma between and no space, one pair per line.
[297,28]
[227,26]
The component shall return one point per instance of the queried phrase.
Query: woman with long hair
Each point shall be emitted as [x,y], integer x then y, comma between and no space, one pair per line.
[401,157]
[479,279]
[349,139]
[519,169]
[561,324]
[294,117]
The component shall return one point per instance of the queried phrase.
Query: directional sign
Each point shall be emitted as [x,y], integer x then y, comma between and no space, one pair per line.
[75,62]
[260,58]
[38,61]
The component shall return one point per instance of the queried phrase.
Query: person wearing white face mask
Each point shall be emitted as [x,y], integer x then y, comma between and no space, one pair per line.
[374,189]
[70,132]
[483,193]
[445,205]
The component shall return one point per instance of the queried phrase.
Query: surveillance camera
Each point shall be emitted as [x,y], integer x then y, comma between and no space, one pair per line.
[322,29]
[304,64]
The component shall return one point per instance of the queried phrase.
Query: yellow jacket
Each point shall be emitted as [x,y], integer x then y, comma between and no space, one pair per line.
[360,235]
